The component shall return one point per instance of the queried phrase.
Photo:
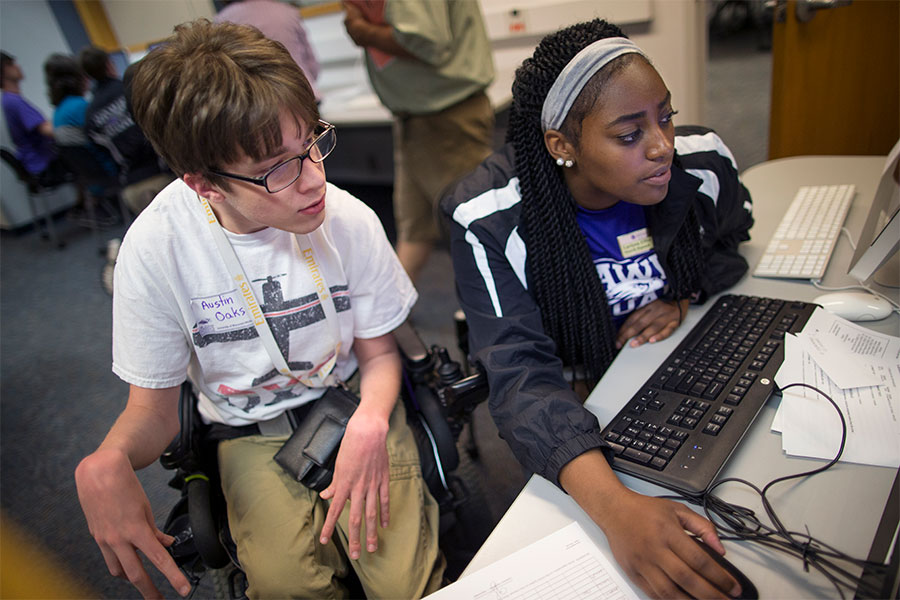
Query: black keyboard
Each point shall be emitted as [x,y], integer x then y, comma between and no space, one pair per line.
[682,425]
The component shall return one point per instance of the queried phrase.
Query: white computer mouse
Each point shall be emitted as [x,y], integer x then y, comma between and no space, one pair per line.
[855,306]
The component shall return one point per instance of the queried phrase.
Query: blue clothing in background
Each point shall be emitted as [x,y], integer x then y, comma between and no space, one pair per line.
[68,121]
[69,131]
[34,150]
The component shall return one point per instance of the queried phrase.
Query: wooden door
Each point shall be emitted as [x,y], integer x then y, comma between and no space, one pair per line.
[835,79]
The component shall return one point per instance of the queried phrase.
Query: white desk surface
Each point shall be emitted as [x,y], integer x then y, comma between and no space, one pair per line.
[841,506]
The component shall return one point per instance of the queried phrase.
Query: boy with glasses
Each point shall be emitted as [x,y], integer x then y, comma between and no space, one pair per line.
[253,229]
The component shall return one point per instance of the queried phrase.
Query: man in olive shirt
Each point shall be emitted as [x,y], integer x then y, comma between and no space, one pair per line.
[430,64]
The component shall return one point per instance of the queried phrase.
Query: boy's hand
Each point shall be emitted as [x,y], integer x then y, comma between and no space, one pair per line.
[121,520]
[362,477]
[652,323]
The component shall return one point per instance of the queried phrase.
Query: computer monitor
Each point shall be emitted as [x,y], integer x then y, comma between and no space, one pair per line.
[876,255]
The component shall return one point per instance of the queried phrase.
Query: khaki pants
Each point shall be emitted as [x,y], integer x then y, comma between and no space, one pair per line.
[431,152]
[275,522]
[138,195]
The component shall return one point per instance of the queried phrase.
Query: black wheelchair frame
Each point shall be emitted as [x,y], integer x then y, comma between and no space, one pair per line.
[439,398]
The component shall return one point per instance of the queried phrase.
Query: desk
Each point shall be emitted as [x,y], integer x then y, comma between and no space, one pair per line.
[841,506]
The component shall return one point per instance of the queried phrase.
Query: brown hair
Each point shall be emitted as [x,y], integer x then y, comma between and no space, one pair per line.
[214,92]
[94,62]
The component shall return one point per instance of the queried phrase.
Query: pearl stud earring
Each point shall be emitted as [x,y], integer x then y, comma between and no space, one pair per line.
[559,162]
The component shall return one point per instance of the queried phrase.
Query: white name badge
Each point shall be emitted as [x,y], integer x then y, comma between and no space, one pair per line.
[634,243]
[220,313]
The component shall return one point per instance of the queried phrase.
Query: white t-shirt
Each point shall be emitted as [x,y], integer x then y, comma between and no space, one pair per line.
[176,309]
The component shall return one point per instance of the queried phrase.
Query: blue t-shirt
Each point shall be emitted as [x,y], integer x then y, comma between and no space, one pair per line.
[70,112]
[34,150]
[68,129]
[622,251]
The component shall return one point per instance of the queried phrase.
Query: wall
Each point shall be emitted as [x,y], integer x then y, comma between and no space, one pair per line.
[139,23]
[28,31]
[676,42]
[672,32]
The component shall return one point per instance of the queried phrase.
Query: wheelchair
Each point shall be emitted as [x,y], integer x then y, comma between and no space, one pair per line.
[439,396]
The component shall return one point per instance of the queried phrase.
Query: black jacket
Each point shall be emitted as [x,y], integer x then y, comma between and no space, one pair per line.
[108,122]
[534,408]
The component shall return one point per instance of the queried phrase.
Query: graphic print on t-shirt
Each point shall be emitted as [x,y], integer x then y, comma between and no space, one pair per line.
[623,253]
[222,318]
[630,283]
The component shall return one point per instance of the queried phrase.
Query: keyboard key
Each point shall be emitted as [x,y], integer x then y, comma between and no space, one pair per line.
[712,429]
[621,425]
[637,456]
[658,463]
[666,453]
[678,435]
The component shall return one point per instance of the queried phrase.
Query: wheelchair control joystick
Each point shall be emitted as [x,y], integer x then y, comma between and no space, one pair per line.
[448,370]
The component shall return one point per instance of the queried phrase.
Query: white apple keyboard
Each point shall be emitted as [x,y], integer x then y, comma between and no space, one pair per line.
[805,238]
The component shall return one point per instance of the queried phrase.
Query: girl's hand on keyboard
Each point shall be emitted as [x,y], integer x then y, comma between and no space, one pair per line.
[652,323]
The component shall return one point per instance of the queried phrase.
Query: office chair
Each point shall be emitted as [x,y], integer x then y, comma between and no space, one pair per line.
[100,189]
[36,194]
[439,401]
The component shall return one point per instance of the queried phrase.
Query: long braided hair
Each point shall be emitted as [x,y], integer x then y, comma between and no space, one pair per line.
[562,275]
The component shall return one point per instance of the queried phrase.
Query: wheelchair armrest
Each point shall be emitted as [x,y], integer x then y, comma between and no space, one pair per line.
[417,358]
[461,397]
[182,450]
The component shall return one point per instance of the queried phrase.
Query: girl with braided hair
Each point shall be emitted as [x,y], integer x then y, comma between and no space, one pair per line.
[594,226]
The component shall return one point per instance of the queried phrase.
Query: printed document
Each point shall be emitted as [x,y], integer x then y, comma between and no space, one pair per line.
[565,564]
[860,370]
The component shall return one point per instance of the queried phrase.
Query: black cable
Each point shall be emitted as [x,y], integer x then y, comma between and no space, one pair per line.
[194,573]
[742,523]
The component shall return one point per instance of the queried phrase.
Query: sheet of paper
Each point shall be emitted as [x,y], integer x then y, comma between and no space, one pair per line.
[565,564]
[811,427]
[846,370]
[849,353]
[840,334]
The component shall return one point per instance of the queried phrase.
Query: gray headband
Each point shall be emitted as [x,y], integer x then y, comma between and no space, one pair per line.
[577,73]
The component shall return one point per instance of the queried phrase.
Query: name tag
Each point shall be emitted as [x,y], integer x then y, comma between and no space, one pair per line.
[220,313]
[634,243]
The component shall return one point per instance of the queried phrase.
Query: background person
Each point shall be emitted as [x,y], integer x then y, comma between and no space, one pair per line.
[67,84]
[108,122]
[279,21]
[30,131]
[177,312]
[430,64]
[594,227]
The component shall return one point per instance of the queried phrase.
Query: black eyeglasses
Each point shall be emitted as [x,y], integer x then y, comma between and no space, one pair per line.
[285,173]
